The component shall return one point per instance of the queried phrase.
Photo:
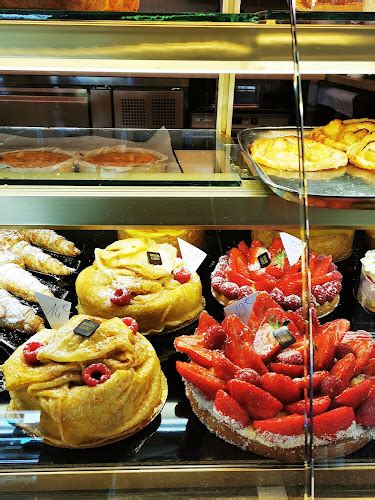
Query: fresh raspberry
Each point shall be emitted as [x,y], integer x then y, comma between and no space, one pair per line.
[30,351]
[214,337]
[290,356]
[332,267]
[332,386]
[230,290]
[247,375]
[182,275]
[336,286]
[292,302]
[342,350]
[278,296]
[330,290]
[131,323]
[245,291]
[95,374]
[217,273]
[121,297]
[319,294]
[216,283]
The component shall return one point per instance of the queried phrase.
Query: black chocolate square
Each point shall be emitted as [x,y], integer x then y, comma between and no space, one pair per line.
[154,258]
[264,259]
[284,337]
[86,328]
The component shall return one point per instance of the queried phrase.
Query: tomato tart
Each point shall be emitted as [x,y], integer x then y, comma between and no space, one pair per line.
[239,273]
[248,383]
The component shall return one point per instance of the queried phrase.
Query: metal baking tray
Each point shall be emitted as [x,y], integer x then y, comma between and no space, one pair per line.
[345,187]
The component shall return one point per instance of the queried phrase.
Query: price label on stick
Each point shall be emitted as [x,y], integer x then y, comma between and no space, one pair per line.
[191,255]
[242,308]
[293,247]
[57,311]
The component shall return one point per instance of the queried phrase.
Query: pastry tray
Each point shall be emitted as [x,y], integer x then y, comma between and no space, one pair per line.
[346,187]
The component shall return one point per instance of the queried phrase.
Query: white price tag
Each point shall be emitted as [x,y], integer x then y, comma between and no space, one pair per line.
[242,308]
[56,310]
[293,247]
[191,255]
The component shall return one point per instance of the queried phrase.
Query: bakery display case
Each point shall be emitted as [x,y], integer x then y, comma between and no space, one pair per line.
[193,295]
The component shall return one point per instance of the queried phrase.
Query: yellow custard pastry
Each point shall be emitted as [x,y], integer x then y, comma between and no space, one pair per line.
[283,153]
[141,279]
[335,242]
[165,235]
[90,390]
[362,153]
[341,134]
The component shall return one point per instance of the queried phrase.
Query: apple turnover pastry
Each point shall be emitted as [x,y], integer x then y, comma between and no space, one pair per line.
[141,279]
[16,280]
[16,316]
[282,153]
[93,381]
[50,240]
[33,257]
[362,153]
[341,134]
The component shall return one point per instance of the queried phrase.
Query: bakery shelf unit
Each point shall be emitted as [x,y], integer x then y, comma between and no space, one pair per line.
[47,43]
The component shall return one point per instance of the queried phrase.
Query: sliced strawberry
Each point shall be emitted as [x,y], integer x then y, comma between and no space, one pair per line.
[321,267]
[277,317]
[344,368]
[369,369]
[277,266]
[267,283]
[290,425]
[239,351]
[317,379]
[235,326]
[361,343]
[276,246]
[256,248]
[354,396]
[191,346]
[259,403]
[365,415]
[262,303]
[201,378]
[326,338]
[291,284]
[297,320]
[320,405]
[331,276]
[205,321]
[280,386]
[287,369]
[239,279]
[228,407]
[330,423]
[223,367]
[265,343]
[238,262]
[243,248]
[336,328]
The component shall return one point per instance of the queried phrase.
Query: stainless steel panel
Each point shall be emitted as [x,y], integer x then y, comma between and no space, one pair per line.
[101,107]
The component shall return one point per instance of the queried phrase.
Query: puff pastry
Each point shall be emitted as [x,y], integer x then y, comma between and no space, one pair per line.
[16,316]
[282,153]
[158,300]
[16,280]
[49,240]
[341,134]
[74,414]
[362,153]
[165,235]
[33,257]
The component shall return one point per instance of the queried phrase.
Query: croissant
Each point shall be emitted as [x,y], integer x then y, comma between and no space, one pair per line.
[362,153]
[15,315]
[18,281]
[49,240]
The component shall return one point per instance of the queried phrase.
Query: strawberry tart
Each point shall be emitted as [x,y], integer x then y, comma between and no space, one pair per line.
[244,270]
[248,383]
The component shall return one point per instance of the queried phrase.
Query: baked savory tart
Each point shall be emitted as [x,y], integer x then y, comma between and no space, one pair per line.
[165,235]
[341,134]
[239,273]
[335,242]
[39,160]
[90,390]
[122,159]
[282,153]
[247,387]
[362,153]
[141,279]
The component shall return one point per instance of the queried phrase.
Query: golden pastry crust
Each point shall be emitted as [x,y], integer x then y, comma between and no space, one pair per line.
[370,237]
[159,302]
[42,159]
[282,153]
[76,415]
[335,242]
[362,153]
[165,235]
[341,134]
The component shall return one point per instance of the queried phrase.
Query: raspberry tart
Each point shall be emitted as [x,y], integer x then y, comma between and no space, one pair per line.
[247,383]
[239,273]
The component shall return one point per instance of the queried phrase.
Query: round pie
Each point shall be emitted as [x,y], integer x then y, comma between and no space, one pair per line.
[42,159]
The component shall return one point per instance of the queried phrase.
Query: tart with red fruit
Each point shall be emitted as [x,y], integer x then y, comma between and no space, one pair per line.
[247,383]
[245,270]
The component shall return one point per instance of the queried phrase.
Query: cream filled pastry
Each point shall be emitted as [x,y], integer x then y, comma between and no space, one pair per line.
[141,279]
[90,390]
